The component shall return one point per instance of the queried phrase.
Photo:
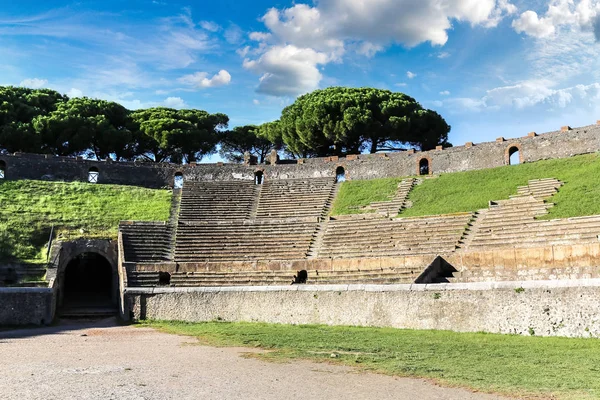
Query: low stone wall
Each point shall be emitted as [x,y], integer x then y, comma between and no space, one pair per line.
[26,306]
[544,308]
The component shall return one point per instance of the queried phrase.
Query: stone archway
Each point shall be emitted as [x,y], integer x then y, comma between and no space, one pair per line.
[88,278]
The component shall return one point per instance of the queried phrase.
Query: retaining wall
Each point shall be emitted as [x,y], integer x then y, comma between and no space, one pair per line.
[558,144]
[25,306]
[544,308]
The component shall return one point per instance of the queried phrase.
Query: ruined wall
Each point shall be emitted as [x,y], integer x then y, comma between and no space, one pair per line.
[25,306]
[551,308]
[558,144]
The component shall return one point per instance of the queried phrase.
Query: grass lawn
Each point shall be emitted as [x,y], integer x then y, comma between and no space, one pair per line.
[472,190]
[356,194]
[516,365]
[28,209]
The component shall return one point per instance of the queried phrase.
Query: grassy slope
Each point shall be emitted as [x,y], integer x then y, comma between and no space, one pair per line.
[29,208]
[472,190]
[568,368]
[356,194]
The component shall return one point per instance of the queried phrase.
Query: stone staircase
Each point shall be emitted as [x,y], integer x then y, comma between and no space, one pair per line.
[23,275]
[539,188]
[399,202]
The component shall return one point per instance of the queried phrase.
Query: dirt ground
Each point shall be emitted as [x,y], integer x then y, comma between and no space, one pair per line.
[101,360]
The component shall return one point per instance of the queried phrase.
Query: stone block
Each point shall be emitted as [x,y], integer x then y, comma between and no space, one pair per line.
[468,145]
[351,157]
[439,147]
[505,259]
[220,164]
[500,139]
[392,262]
[565,128]
[410,151]
[315,264]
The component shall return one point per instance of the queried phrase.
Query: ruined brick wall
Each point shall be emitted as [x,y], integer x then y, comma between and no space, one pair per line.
[557,144]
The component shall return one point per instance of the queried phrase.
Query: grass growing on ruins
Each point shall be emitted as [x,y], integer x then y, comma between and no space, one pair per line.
[509,364]
[28,209]
[472,190]
[356,194]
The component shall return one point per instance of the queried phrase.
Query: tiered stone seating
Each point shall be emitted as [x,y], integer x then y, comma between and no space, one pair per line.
[146,241]
[240,240]
[369,236]
[529,232]
[269,278]
[539,188]
[142,278]
[294,198]
[491,274]
[216,200]
[23,275]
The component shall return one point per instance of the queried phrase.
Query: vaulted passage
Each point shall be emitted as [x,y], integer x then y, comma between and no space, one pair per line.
[88,286]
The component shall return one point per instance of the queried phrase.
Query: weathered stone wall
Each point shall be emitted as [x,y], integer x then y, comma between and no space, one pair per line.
[550,308]
[24,306]
[558,144]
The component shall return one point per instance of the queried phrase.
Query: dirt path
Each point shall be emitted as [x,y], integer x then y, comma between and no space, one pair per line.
[104,361]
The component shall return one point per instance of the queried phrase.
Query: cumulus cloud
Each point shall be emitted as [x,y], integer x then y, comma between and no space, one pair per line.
[174,102]
[201,80]
[325,32]
[410,75]
[582,14]
[445,93]
[443,54]
[34,83]
[287,70]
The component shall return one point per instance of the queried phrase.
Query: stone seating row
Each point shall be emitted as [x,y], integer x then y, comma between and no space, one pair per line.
[294,198]
[210,200]
[271,278]
[146,242]
[23,275]
[244,240]
[393,237]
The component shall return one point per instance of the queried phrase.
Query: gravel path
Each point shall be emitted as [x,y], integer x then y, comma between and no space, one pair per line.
[104,361]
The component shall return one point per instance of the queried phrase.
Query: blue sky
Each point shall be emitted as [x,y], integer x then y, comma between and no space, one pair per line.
[490,67]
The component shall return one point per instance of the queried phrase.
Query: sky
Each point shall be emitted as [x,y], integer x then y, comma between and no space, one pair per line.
[490,67]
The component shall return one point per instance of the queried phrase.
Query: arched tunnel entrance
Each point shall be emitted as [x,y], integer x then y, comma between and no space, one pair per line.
[89,287]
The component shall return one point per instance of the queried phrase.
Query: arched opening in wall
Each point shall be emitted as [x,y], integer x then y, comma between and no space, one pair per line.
[340,174]
[2,170]
[88,285]
[93,175]
[178,182]
[259,178]
[514,156]
[423,166]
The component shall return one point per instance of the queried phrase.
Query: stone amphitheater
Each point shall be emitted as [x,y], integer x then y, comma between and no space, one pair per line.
[257,243]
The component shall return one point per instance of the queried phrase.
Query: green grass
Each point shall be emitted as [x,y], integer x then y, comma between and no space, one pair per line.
[566,368]
[28,209]
[356,194]
[472,190]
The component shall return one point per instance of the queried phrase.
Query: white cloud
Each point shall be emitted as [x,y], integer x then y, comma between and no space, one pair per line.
[255,102]
[443,54]
[529,23]
[532,93]
[174,102]
[210,26]
[287,70]
[445,93]
[325,32]
[401,84]
[410,75]
[201,79]
[74,92]
[583,15]
[34,83]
